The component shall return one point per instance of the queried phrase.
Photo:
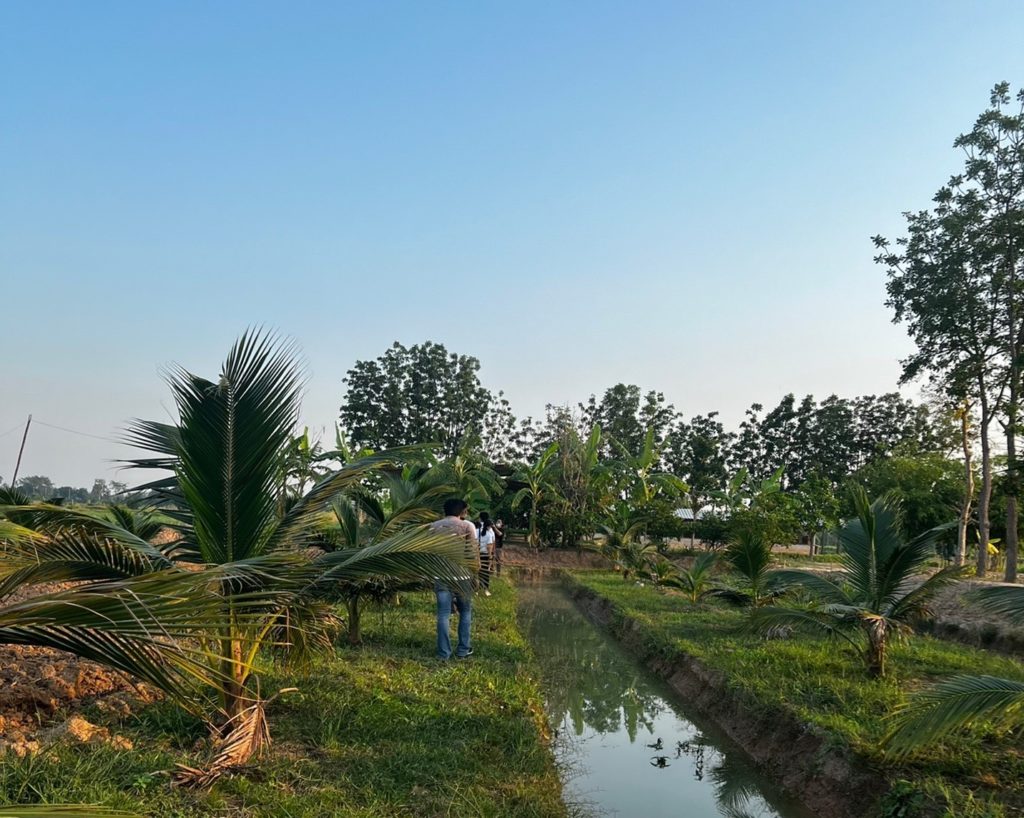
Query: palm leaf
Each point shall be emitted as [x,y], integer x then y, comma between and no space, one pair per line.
[954,704]
[1007,600]
[142,627]
[772,620]
[821,587]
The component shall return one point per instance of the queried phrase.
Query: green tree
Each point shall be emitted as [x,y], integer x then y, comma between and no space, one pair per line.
[415,395]
[626,415]
[928,487]
[697,454]
[955,280]
[37,487]
[536,489]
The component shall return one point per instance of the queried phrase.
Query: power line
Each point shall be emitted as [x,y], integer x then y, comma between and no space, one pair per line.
[75,431]
[9,431]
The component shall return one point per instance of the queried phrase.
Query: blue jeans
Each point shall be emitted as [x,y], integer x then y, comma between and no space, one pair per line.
[464,605]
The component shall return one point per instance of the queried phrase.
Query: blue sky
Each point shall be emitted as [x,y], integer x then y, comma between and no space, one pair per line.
[678,195]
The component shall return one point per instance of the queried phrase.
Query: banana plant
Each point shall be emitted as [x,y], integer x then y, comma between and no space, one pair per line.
[538,487]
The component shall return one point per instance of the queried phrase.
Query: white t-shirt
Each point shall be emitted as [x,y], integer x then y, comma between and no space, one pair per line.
[486,541]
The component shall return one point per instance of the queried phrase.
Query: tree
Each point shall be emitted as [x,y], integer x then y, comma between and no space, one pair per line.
[956,283]
[994,174]
[414,395]
[626,415]
[537,487]
[881,593]
[696,453]
[37,487]
[928,488]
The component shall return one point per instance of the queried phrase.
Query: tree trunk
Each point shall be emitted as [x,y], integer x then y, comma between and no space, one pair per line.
[1012,414]
[355,636]
[1010,574]
[876,652]
[984,499]
[960,557]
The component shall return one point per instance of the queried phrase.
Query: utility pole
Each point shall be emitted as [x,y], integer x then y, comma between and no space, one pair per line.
[21,451]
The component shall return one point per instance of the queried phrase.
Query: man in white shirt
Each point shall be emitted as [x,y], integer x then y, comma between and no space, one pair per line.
[455,522]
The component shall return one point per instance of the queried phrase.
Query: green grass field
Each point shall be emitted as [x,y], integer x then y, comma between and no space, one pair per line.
[384,730]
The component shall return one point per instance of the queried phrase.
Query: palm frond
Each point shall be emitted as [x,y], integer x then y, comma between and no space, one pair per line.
[773,620]
[954,704]
[247,735]
[70,545]
[412,554]
[914,604]
[1007,600]
[821,587]
[142,627]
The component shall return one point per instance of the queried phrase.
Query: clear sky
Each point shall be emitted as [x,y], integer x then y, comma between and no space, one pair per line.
[678,195]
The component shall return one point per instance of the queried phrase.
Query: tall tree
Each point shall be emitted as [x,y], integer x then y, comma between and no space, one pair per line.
[417,394]
[955,281]
[994,173]
[696,452]
[625,414]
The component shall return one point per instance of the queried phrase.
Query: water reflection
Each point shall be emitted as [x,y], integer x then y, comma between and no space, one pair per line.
[632,749]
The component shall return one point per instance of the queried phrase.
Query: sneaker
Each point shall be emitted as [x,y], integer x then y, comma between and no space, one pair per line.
[465,655]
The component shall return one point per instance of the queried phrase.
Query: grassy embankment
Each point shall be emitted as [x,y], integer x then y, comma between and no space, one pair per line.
[819,683]
[382,730]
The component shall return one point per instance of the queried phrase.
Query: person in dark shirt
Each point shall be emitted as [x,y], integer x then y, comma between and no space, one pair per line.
[499,541]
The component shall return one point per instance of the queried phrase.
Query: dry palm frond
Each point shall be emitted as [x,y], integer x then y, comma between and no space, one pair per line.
[248,735]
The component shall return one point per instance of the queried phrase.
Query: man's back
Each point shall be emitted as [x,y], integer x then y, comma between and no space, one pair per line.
[459,528]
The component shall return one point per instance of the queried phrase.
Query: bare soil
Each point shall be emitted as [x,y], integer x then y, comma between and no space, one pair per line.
[40,686]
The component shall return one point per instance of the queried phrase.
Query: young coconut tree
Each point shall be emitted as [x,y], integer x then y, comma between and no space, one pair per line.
[696,581]
[882,591]
[224,456]
[962,701]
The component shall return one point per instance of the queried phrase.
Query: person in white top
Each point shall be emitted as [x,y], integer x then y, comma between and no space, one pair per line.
[486,539]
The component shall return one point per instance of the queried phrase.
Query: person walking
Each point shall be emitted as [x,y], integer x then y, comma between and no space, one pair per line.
[455,523]
[486,540]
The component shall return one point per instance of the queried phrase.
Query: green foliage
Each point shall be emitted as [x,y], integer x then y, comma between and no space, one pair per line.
[880,593]
[965,701]
[929,488]
[696,581]
[416,395]
[749,554]
[257,580]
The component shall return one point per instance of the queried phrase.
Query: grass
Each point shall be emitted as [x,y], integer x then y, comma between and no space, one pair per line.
[382,730]
[820,683]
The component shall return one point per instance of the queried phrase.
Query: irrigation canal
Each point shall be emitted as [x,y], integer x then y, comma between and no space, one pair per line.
[627,745]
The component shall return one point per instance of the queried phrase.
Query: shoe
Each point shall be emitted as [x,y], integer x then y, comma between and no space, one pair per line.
[487,593]
[465,655]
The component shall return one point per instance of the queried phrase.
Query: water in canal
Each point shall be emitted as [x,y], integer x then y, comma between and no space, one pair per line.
[628,744]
